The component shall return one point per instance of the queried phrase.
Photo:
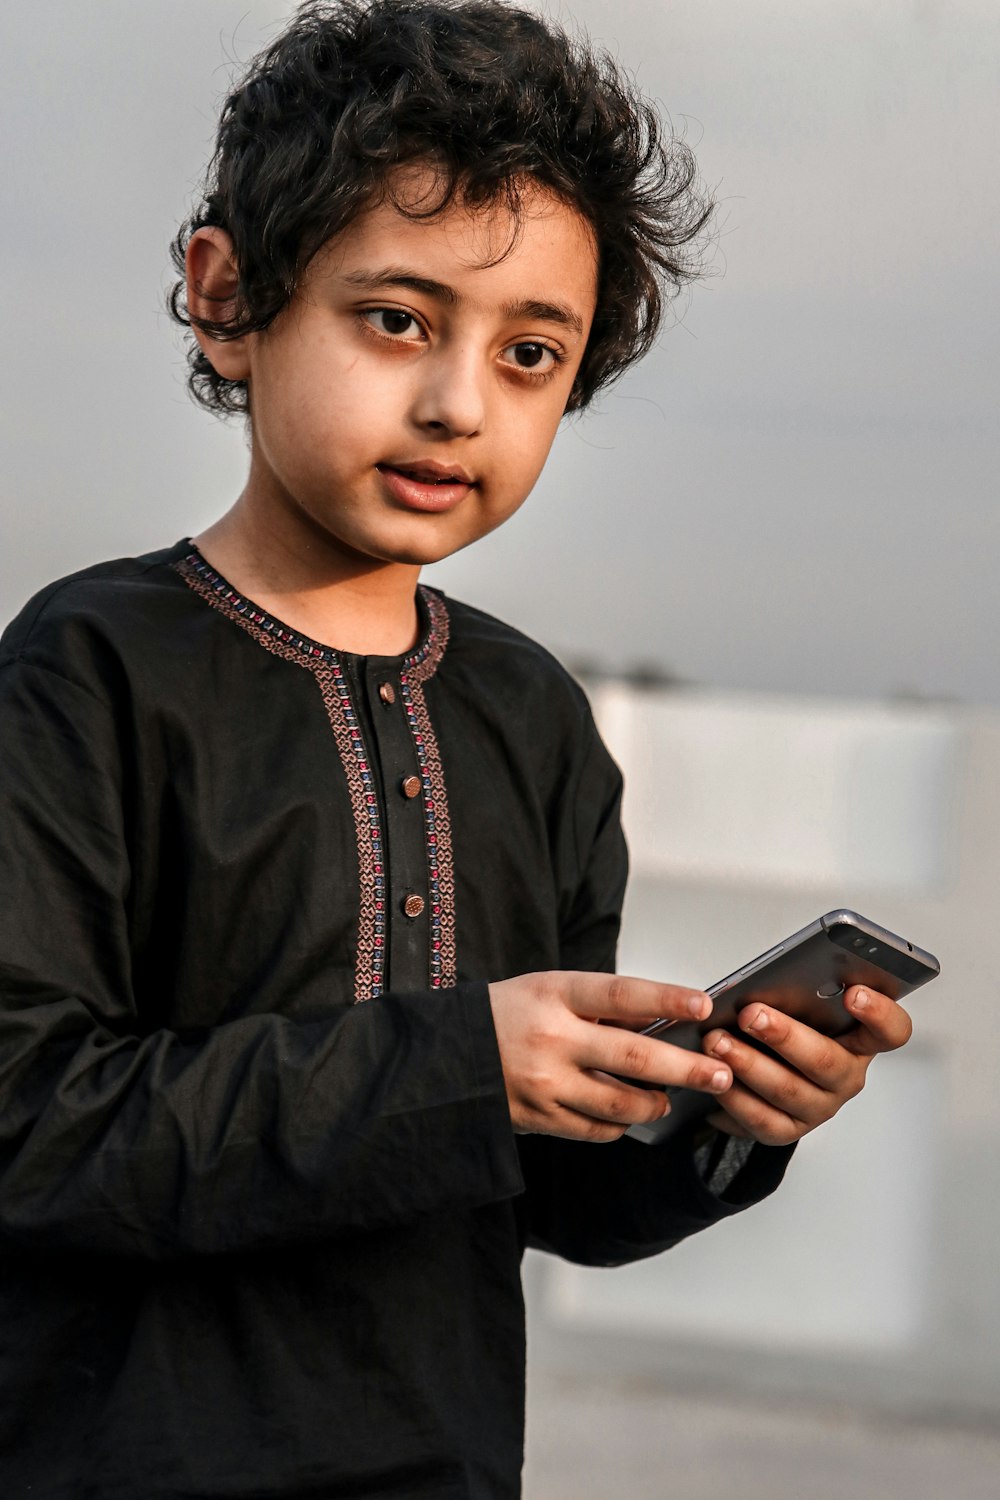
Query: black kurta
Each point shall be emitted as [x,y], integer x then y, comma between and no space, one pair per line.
[261,1206]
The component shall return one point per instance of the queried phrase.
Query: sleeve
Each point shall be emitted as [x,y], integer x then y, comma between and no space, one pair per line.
[613,1203]
[121,1138]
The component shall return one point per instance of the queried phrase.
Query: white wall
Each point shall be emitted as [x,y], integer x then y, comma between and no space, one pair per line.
[872,1270]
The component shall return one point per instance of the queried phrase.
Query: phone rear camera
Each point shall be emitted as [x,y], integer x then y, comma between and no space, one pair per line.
[858,942]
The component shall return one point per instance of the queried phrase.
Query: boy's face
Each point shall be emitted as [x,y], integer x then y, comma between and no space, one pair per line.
[405,402]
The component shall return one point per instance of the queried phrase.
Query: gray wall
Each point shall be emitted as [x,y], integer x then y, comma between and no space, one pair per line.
[795,492]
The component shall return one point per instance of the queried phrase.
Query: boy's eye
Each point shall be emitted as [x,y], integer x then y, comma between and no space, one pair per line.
[537,357]
[393,321]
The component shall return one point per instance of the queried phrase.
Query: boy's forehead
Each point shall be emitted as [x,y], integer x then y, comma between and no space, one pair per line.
[468,242]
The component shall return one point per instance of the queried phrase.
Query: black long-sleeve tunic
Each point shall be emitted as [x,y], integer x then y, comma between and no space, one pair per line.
[261,1206]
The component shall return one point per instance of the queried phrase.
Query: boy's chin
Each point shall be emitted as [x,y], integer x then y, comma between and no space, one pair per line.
[424,554]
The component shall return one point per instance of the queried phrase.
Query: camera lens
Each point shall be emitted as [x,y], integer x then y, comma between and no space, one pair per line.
[858,942]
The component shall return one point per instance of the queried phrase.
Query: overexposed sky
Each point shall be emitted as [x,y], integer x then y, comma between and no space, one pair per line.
[798,490]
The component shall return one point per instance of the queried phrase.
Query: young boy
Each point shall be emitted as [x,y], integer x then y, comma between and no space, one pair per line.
[311,878]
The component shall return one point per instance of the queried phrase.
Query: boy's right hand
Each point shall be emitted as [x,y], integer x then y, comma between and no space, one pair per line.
[564,1074]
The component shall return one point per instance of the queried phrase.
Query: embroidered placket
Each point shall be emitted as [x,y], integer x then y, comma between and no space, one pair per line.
[327,668]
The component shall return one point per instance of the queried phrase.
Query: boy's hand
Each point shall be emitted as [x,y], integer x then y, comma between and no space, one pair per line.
[558,1065]
[775,1104]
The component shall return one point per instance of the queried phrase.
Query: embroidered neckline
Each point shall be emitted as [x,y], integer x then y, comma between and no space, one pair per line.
[427,649]
[326,666]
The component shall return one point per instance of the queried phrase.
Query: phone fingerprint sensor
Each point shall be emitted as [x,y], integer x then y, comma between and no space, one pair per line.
[830,991]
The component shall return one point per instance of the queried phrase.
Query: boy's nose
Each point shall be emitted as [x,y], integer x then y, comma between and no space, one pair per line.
[450,396]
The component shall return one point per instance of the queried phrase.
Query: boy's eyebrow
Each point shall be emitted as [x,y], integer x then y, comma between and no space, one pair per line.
[549,312]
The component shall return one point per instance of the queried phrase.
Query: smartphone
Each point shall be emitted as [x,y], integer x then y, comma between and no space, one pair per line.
[805,976]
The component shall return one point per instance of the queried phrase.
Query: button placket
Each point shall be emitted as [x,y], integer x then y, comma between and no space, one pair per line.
[408,876]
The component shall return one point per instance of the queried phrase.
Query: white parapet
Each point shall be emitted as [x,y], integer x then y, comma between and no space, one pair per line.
[786,791]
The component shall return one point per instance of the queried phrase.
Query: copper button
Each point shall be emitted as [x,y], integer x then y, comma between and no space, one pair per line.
[387,692]
[410,786]
[413,906]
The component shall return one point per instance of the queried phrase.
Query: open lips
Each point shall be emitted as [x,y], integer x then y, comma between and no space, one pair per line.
[430,473]
[426,486]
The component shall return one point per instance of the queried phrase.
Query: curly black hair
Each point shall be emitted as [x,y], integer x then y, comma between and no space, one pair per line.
[487,93]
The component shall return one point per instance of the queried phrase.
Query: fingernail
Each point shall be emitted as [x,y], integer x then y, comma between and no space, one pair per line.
[722,1046]
[699,1006]
[860,1001]
[759,1021]
[721,1080]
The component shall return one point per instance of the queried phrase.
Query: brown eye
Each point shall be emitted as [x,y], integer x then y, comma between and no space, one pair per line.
[528,356]
[393,321]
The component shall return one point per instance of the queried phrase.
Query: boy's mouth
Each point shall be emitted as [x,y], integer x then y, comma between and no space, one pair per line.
[426,485]
[429,473]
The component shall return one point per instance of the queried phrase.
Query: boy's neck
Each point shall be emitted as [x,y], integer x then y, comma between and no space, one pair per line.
[352,604]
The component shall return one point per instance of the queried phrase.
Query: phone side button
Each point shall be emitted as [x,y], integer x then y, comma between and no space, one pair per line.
[765,958]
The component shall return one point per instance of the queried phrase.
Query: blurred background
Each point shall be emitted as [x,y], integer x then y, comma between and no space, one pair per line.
[771,552]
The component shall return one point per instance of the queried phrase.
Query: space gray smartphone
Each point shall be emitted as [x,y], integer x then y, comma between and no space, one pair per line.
[805,976]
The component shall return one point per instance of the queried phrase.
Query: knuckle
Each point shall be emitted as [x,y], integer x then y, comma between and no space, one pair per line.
[539,1083]
[829,1058]
[546,1033]
[550,986]
[776,1130]
[785,1091]
[617,993]
[634,1060]
[752,1121]
[758,1120]
[543,1103]
[618,1105]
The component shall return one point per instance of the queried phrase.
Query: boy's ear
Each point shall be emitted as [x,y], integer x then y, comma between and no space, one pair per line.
[212,282]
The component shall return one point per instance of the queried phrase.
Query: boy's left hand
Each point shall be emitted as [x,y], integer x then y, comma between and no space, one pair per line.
[777,1102]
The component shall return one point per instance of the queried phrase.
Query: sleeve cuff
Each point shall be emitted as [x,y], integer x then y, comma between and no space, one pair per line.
[729,1173]
[719,1159]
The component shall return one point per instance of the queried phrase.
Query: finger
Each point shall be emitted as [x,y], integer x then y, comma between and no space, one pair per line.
[719,1120]
[621,999]
[782,1087]
[750,1115]
[648,1060]
[602,1097]
[570,1126]
[573,1125]
[884,1024]
[821,1059]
